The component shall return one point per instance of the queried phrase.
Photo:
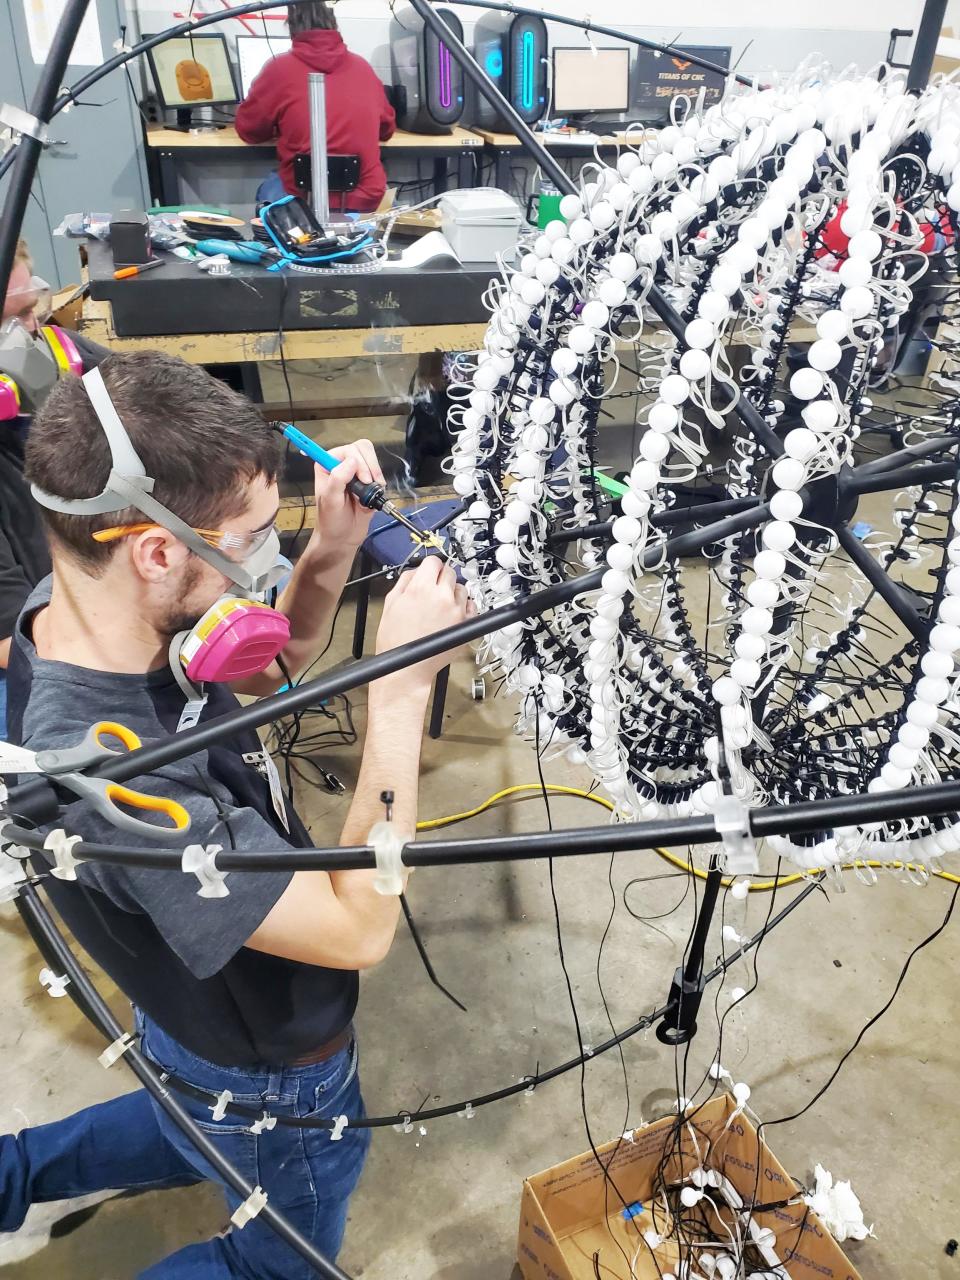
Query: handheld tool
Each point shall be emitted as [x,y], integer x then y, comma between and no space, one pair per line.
[64,767]
[125,272]
[370,495]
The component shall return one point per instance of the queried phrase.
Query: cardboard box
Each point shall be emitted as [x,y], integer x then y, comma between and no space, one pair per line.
[565,1211]
[947,58]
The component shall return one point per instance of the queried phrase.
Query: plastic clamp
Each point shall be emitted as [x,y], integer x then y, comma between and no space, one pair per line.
[61,846]
[24,123]
[247,1211]
[731,817]
[388,850]
[113,1052]
[265,1122]
[339,1124]
[219,1108]
[406,1123]
[468,1112]
[201,861]
[55,984]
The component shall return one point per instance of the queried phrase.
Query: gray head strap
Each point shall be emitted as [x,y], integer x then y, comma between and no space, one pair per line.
[128,485]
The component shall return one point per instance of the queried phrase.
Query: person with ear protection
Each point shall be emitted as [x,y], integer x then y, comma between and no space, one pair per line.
[158,488]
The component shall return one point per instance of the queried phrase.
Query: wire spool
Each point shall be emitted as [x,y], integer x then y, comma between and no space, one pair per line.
[478,688]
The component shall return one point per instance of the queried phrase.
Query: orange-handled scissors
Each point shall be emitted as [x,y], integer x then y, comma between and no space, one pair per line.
[65,764]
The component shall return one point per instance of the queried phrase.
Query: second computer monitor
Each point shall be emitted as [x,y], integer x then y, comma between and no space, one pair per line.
[590,80]
[253,54]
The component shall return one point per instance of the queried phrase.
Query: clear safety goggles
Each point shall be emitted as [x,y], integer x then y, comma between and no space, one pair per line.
[237,546]
[34,299]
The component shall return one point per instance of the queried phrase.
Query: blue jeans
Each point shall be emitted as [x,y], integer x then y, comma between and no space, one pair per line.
[270,189]
[130,1143]
[3,705]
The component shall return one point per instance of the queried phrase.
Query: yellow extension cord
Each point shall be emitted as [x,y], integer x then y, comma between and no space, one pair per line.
[758,886]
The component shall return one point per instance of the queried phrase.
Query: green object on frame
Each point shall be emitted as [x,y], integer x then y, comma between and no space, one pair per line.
[616,487]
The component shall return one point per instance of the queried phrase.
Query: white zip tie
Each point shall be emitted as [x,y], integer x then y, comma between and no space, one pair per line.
[405,1126]
[113,1052]
[55,984]
[265,1122]
[247,1211]
[201,861]
[731,817]
[61,846]
[339,1124]
[468,1112]
[7,845]
[219,1109]
[388,850]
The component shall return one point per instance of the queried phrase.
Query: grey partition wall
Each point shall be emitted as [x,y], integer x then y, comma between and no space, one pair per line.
[96,160]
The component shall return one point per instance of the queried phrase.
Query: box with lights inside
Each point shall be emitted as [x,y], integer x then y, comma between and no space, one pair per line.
[697,1197]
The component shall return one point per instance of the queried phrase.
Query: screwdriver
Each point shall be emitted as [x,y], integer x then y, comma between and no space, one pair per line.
[125,272]
[370,494]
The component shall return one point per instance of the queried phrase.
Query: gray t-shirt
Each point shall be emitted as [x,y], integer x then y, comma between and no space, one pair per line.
[179,957]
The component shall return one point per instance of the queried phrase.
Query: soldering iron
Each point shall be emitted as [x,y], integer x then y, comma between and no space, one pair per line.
[367,493]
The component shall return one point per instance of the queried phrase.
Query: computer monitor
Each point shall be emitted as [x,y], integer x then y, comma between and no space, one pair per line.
[590,80]
[193,71]
[254,52]
[660,77]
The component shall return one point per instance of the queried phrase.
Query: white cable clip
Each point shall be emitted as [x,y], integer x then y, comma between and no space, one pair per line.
[265,1122]
[405,1125]
[339,1124]
[61,846]
[247,1211]
[219,1108]
[388,850]
[468,1112]
[55,984]
[731,817]
[113,1052]
[201,861]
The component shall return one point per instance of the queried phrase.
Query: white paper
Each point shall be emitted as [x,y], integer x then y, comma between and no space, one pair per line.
[427,249]
[43,17]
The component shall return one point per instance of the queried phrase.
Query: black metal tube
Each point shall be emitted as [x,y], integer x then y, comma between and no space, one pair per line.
[888,590]
[487,89]
[892,461]
[903,477]
[89,1001]
[27,152]
[669,49]
[661,519]
[925,47]
[802,818]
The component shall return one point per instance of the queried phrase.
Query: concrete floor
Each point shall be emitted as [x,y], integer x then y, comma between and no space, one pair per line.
[444,1205]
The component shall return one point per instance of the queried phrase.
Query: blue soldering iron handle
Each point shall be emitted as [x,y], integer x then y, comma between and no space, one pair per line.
[316,452]
[368,495]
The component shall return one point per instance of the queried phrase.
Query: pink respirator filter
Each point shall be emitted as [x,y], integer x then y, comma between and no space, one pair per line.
[234,639]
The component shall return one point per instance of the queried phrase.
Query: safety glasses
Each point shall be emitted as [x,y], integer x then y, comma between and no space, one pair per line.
[238,546]
[34,299]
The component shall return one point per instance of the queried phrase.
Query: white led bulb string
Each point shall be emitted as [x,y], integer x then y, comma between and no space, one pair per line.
[531,419]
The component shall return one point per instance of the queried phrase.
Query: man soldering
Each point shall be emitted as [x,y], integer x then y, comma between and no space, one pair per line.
[158,487]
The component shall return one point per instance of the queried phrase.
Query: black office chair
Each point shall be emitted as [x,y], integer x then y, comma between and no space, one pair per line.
[343,175]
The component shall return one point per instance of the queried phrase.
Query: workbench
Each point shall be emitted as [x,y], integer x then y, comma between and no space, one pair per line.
[505,145]
[236,319]
[166,148]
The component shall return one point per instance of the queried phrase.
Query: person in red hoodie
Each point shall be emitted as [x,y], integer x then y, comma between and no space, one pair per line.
[359,117]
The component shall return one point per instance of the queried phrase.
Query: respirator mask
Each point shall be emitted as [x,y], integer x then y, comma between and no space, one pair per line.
[30,365]
[240,635]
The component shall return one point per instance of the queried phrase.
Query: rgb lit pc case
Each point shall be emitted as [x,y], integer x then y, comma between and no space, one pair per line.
[428,81]
[513,51]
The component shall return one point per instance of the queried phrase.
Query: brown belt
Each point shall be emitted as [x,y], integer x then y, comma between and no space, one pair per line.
[313,1056]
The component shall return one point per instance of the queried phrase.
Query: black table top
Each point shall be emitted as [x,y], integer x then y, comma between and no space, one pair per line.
[178,298]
